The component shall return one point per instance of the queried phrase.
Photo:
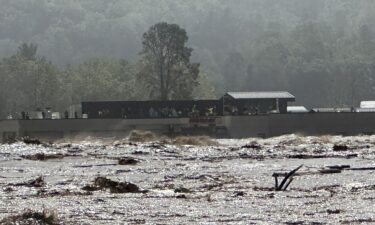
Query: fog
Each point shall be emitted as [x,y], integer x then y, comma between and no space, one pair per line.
[321,51]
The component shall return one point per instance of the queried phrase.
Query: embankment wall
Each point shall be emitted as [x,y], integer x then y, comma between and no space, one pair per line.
[302,123]
[9,130]
[237,126]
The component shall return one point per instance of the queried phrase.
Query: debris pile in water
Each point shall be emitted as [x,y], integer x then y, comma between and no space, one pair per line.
[148,136]
[38,182]
[31,141]
[102,183]
[127,161]
[340,147]
[142,136]
[209,181]
[252,145]
[30,217]
[42,156]
[194,140]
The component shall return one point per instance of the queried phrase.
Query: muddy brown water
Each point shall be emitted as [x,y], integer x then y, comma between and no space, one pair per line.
[227,184]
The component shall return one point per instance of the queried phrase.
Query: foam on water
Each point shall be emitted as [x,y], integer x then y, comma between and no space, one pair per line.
[227,183]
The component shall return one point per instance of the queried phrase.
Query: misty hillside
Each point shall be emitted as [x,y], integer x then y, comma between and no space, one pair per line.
[321,51]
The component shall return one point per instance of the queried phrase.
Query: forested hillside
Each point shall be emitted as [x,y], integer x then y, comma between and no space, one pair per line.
[321,51]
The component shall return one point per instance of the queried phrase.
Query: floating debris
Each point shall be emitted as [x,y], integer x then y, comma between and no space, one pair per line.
[42,156]
[328,171]
[252,145]
[140,153]
[195,140]
[38,182]
[156,145]
[358,221]
[142,136]
[239,194]
[127,161]
[30,217]
[31,141]
[203,177]
[321,156]
[102,183]
[286,181]
[181,190]
[339,167]
[181,196]
[75,150]
[340,147]
[8,189]
[334,211]
[43,193]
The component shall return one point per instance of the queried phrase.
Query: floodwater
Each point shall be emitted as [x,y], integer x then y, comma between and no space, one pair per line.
[230,183]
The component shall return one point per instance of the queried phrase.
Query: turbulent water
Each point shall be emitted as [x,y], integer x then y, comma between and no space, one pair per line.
[229,183]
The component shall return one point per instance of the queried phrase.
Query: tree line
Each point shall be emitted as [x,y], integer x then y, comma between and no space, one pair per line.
[320,51]
[30,82]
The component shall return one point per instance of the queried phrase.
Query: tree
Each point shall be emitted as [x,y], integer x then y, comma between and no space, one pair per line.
[28,51]
[101,79]
[166,67]
[28,82]
[206,88]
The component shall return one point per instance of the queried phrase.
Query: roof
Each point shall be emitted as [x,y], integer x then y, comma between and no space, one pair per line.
[365,109]
[261,95]
[367,104]
[331,109]
[297,109]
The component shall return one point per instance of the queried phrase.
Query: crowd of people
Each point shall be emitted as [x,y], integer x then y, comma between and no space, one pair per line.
[160,112]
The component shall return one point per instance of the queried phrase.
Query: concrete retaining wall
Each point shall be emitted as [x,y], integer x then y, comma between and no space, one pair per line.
[247,126]
[303,123]
[9,129]
[237,126]
[55,129]
[323,123]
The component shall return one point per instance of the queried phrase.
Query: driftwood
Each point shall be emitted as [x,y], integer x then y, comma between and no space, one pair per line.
[101,183]
[348,167]
[362,168]
[288,178]
[94,165]
[329,171]
[127,161]
[339,167]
